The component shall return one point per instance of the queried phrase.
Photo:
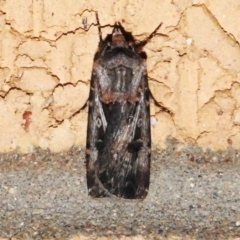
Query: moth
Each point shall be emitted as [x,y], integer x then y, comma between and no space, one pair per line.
[118,133]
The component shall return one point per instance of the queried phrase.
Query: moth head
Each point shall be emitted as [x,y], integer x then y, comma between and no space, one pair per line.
[118,39]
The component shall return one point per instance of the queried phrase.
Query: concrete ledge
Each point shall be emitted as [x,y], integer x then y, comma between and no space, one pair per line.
[193,193]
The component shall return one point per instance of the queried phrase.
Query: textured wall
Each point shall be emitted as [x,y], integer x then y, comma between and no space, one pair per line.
[46,57]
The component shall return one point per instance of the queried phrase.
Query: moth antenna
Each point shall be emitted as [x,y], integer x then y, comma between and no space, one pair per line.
[153,33]
[99,28]
[140,45]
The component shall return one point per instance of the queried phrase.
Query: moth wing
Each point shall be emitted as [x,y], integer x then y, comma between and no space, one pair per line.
[124,161]
[95,129]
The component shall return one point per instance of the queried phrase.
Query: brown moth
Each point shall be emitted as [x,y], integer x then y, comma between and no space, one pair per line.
[118,133]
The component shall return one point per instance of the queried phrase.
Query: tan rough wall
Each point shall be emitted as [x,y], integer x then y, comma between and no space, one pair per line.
[46,59]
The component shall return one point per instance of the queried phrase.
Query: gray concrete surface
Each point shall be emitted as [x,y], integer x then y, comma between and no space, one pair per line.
[193,192]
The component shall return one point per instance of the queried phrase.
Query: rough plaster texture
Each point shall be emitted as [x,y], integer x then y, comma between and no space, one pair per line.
[46,56]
